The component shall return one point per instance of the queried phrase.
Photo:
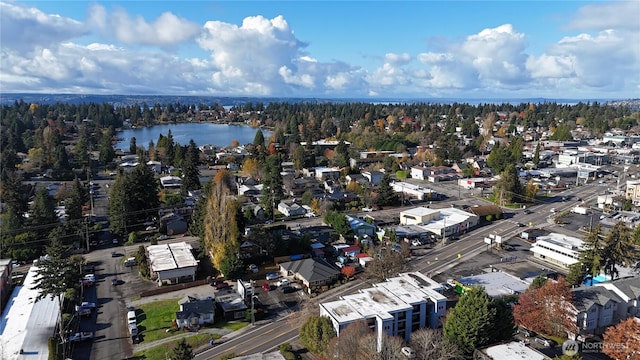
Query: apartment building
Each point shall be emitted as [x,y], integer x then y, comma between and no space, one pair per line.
[606,304]
[396,307]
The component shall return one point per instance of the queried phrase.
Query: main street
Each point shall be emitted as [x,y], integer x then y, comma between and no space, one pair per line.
[265,338]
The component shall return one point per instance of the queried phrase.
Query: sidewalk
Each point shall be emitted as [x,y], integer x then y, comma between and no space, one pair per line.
[148,345]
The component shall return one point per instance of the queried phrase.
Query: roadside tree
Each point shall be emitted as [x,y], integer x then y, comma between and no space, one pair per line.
[547,309]
[316,333]
[623,340]
[387,262]
[477,320]
[430,344]
[182,351]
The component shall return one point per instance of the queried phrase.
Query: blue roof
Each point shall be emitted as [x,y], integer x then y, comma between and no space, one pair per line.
[355,223]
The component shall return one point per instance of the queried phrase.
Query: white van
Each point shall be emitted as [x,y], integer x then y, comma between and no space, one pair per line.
[131,317]
[133,329]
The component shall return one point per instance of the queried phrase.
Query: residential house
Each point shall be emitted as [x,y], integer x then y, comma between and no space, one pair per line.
[168,182]
[6,268]
[291,208]
[326,173]
[461,168]
[628,289]
[419,172]
[195,312]
[297,187]
[232,306]
[250,190]
[312,271]
[331,186]
[360,227]
[596,307]
[357,178]
[173,224]
[374,176]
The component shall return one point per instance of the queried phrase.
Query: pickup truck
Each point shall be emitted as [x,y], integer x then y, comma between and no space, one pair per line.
[81,336]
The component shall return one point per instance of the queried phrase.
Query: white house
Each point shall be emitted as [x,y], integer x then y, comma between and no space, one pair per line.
[291,209]
[395,307]
[326,173]
[419,172]
[195,312]
[155,166]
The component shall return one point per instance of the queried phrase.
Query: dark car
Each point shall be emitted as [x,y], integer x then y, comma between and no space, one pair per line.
[527,211]
[288,289]
[219,285]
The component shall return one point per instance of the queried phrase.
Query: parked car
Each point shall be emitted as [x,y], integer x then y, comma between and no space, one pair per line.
[339,264]
[266,287]
[220,285]
[283,282]
[81,336]
[163,237]
[272,276]
[525,332]
[131,317]
[151,228]
[115,241]
[253,268]
[130,262]
[287,289]
[543,341]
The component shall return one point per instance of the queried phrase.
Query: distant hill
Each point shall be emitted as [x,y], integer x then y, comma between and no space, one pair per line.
[123,100]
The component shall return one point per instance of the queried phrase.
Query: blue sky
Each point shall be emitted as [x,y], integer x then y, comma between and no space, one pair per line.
[332,49]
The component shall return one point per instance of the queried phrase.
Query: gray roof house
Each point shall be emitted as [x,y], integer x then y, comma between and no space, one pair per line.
[195,312]
[312,271]
[596,308]
[628,289]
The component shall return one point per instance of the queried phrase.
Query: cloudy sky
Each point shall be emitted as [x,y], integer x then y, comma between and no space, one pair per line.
[332,49]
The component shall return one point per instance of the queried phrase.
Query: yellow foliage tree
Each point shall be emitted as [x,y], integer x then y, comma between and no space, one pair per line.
[251,168]
[221,233]
[353,187]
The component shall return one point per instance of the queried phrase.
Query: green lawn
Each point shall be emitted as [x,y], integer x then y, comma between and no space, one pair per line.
[160,352]
[157,317]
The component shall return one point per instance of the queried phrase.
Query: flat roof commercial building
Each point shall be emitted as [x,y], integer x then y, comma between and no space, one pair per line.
[557,249]
[172,263]
[27,325]
[497,284]
[442,222]
[396,307]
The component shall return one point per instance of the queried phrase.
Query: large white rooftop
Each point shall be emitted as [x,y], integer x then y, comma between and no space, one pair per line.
[395,294]
[514,350]
[448,218]
[497,284]
[27,324]
[420,211]
[171,256]
[567,242]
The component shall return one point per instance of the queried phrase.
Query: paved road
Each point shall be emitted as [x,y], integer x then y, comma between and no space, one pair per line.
[267,337]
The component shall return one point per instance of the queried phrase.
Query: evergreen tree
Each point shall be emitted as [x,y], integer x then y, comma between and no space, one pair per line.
[258,139]
[386,195]
[57,273]
[272,191]
[190,172]
[61,167]
[43,214]
[591,254]
[471,323]
[73,203]
[619,249]
[133,147]
[509,189]
[316,333]
[182,351]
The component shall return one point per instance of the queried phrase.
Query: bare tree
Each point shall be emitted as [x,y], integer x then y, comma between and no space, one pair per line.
[387,262]
[430,345]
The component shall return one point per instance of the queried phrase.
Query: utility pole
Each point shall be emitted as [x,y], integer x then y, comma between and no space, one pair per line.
[253,315]
[86,229]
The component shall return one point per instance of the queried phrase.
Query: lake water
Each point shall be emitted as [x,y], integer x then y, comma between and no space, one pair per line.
[219,135]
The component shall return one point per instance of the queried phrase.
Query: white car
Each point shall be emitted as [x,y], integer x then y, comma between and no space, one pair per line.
[151,228]
[283,282]
[310,214]
[253,268]
[367,209]
[81,336]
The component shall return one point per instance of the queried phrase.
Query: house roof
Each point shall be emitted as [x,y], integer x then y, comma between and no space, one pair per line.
[206,306]
[584,297]
[311,269]
[629,286]
[355,223]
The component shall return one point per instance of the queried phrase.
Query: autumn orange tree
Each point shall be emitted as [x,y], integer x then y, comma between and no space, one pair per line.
[623,340]
[547,309]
